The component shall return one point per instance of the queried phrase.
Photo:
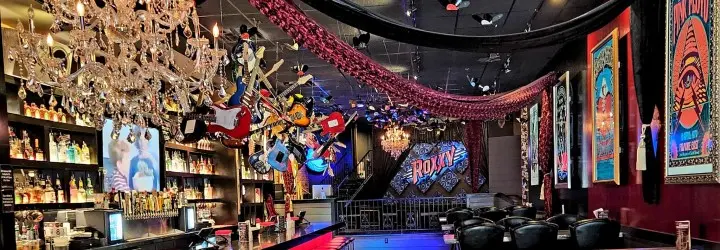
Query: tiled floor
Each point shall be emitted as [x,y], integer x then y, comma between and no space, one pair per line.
[426,241]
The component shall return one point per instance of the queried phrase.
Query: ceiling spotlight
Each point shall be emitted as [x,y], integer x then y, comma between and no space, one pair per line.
[408,13]
[453,5]
[415,77]
[487,18]
[361,41]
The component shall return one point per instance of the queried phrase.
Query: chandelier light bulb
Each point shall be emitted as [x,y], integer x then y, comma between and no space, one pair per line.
[216,31]
[49,40]
[80,7]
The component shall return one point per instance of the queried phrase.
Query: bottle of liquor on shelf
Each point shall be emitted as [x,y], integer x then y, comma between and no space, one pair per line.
[73,190]
[81,191]
[78,153]
[62,148]
[28,153]
[85,153]
[200,167]
[49,192]
[39,154]
[18,193]
[15,144]
[53,148]
[44,114]
[34,110]
[89,191]
[71,152]
[27,110]
[39,190]
[63,116]
[27,192]
[60,192]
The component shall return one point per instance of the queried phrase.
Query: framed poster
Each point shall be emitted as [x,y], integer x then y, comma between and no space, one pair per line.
[691,154]
[561,132]
[605,110]
[533,143]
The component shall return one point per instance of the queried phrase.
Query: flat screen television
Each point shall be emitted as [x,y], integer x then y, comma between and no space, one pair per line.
[131,165]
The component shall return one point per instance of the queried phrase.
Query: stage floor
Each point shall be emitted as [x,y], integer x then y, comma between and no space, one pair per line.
[421,241]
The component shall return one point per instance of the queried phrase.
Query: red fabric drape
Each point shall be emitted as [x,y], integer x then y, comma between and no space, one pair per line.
[475,145]
[546,147]
[337,52]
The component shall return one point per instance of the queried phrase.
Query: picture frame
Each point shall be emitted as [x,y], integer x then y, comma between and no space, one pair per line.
[562,169]
[690,86]
[605,97]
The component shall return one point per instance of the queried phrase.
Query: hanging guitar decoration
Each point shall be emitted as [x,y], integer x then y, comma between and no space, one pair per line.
[319,156]
[277,157]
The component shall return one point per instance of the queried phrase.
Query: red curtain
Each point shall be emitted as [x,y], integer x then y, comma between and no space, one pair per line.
[337,52]
[545,149]
[475,144]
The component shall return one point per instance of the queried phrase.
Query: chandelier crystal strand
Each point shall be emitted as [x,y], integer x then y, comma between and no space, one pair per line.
[395,140]
[124,53]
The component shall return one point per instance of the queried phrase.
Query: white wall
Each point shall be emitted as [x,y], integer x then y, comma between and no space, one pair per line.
[504,164]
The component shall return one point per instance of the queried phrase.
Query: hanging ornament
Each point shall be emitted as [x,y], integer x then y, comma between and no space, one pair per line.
[131,137]
[148,136]
[21,92]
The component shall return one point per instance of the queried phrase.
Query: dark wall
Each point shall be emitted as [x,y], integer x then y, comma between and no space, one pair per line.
[696,203]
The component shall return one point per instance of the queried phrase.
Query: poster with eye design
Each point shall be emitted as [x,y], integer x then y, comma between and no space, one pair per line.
[561,131]
[533,145]
[605,110]
[690,133]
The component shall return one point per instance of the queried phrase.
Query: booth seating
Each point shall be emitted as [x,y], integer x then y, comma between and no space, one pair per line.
[527,212]
[459,215]
[595,234]
[512,222]
[493,214]
[481,237]
[535,235]
[460,225]
[563,220]
[338,243]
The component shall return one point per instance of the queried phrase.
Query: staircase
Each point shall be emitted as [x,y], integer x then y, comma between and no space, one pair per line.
[351,182]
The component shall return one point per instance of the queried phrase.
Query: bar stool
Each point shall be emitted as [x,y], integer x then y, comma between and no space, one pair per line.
[595,233]
[535,235]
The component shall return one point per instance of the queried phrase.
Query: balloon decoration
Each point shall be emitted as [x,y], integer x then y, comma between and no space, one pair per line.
[329,47]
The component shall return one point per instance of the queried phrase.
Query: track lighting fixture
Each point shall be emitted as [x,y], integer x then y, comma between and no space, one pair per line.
[487,18]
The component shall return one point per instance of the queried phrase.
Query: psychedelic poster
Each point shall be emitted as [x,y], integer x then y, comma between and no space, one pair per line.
[605,110]
[533,144]
[689,134]
[561,131]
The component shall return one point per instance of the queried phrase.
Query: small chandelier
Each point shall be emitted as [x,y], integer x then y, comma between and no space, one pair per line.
[125,56]
[395,140]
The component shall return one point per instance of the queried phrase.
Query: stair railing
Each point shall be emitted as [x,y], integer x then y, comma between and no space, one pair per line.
[368,176]
[352,172]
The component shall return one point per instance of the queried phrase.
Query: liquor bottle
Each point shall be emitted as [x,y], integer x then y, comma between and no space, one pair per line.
[81,191]
[85,153]
[28,153]
[89,191]
[62,148]
[34,111]
[44,114]
[63,116]
[26,109]
[53,148]
[49,192]
[15,148]
[73,190]
[70,152]
[39,190]
[26,192]
[78,153]
[39,154]
[60,192]
[51,114]
[18,193]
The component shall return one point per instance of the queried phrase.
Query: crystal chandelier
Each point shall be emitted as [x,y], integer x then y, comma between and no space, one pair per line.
[124,51]
[395,140]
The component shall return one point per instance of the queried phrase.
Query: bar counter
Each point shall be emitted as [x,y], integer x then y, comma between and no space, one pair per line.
[179,240]
[306,236]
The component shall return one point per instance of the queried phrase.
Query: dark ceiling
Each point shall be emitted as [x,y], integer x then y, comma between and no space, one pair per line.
[440,68]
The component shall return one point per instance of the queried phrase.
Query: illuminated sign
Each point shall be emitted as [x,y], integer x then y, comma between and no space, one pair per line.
[429,161]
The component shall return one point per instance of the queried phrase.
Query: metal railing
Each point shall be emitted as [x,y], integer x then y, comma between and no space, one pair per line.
[352,172]
[394,215]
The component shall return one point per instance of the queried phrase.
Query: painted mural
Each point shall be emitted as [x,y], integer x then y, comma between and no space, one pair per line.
[561,130]
[433,169]
[605,110]
[689,136]
[533,145]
